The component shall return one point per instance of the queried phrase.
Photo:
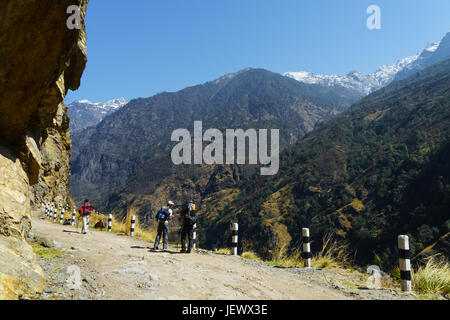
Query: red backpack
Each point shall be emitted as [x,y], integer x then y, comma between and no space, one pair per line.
[85,208]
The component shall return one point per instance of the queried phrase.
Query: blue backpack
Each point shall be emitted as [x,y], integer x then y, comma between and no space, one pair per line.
[163,214]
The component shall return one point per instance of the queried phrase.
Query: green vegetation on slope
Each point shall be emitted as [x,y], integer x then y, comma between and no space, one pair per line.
[379,170]
[125,160]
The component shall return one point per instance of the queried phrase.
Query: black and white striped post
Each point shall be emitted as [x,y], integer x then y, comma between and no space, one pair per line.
[61,218]
[55,214]
[194,237]
[405,263]
[74,213]
[110,223]
[133,222]
[306,254]
[234,238]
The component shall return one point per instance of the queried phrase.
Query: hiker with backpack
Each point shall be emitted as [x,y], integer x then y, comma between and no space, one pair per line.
[164,216]
[189,220]
[85,211]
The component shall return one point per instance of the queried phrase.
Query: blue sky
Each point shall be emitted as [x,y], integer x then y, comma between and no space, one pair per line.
[138,48]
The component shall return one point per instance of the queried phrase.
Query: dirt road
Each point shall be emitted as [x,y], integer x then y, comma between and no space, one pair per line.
[126,268]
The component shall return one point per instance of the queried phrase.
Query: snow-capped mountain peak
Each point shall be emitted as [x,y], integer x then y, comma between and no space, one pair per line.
[355,80]
[433,47]
[111,104]
[84,113]
[365,84]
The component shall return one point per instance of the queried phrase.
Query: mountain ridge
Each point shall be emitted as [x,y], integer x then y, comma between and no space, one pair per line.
[377,170]
[84,113]
[364,84]
[132,137]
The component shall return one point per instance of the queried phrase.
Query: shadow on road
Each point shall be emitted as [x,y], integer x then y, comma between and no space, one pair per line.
[151,250]
[68,231]
[164,251]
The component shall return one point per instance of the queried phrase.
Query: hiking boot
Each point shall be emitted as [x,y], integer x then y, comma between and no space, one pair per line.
[183,251]
[189,251]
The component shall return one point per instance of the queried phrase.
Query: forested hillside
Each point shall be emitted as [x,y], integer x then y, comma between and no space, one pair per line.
[378,170]
[126,158]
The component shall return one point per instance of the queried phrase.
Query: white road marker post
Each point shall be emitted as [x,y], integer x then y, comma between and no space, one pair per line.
[61,220]
[74,213]
[55,214]
[306,254]
[194,237]
[404,262]
[133,222]
[234,238]
[110,223]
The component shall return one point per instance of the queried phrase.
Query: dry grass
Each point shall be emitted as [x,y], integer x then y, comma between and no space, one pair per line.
[433,277]
[332,255]
[47,253]
[224,251]
[250,255]
[95,218]
[118,227]
[124,227]
[288,261]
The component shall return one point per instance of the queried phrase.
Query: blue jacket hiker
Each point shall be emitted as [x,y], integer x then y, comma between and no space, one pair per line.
[164,216]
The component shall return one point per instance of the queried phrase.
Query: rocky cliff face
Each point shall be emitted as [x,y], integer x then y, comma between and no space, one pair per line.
[41,59]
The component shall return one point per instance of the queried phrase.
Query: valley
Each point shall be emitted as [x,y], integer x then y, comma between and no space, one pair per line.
[300,185]
[324,146]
